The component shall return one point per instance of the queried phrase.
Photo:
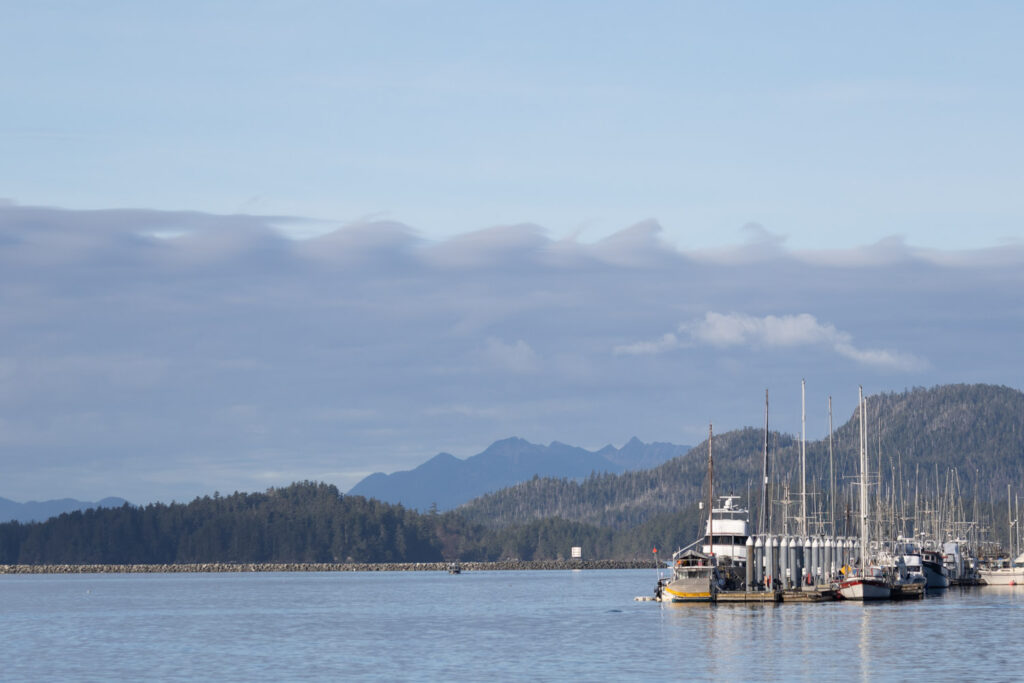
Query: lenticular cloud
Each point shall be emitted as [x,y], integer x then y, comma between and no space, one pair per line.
[771,331]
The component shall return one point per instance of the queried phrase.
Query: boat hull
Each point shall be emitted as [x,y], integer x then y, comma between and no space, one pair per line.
[686,590]
[935,575]
[1004,577]
[859,588]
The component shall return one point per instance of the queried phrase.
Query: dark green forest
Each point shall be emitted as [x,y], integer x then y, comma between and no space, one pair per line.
[952,450]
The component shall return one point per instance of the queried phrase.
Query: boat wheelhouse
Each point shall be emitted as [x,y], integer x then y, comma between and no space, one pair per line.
[694,578]
[726,532]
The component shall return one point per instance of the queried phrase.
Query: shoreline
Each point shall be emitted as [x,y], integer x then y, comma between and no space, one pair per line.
[237,567]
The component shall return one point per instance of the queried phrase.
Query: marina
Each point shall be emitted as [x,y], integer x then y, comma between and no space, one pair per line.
[808,561]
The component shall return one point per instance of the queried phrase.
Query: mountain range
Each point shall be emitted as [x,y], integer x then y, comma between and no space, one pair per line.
[445,482]
[38,511]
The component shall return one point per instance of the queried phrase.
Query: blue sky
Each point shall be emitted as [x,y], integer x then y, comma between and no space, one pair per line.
[243,244]
[835,125]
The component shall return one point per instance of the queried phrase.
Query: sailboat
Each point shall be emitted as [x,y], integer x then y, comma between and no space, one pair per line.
[1009,574]
[866,582]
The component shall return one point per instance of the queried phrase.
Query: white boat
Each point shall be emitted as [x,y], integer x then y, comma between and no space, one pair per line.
[867,582]
[1007,575]
[869,585]
[726,532]
[927,564]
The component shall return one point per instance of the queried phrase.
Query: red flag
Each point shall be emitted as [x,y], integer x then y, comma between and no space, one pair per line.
[655,550]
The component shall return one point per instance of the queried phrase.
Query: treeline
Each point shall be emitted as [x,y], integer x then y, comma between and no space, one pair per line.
[942,456]
[306,522]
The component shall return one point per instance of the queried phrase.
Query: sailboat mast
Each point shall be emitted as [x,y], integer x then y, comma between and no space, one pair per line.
[711,497]
[762,518]
[831,472]
[863,486]
[1009,520]
[803,458]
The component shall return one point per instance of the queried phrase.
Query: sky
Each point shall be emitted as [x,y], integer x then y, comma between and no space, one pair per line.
[243,244]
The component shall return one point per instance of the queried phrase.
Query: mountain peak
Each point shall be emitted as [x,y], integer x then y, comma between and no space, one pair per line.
[449,481]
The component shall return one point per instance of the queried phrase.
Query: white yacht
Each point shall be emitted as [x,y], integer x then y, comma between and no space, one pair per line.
[726,532]
[1004,573]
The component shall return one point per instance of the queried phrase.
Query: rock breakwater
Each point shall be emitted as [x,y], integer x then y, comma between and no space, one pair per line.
[212,567]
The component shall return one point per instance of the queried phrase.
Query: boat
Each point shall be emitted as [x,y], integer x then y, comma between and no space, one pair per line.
[454,568]
[1006,572]
[1003,573]
[695,575]
[694,578]
[866,582]
[928,564]
[961,564]
[934,569]
[725,538]
[726,532]
[906,583]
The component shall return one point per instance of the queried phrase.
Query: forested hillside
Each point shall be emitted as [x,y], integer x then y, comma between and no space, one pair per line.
[921,442]
[304,522]
[937,447]
[299,523]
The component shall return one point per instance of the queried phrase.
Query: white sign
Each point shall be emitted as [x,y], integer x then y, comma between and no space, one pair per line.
[577,552]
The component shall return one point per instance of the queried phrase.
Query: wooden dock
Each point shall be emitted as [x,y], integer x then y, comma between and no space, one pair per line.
[808,595]
[748,596]
[913,591]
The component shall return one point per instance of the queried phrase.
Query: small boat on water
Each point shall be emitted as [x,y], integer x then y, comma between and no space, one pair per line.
[1005,573]
[934,569]
[695,575]
[454,568]
[865,584]
[694,578]
[928,564]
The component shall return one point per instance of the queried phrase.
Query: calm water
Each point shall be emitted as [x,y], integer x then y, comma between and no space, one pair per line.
[582,625]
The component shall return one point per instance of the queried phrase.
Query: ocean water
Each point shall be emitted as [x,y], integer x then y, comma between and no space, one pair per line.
[477,626]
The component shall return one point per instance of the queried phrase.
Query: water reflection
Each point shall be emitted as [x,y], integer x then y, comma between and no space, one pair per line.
[965,634]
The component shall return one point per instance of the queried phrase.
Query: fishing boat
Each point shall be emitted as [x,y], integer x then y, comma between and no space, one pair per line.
[934,569]
[866,582]
[927,564]
[694,578]
[695,575]
[869,583]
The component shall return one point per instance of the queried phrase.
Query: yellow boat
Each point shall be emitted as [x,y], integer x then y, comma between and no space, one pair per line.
[694,578]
